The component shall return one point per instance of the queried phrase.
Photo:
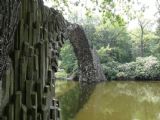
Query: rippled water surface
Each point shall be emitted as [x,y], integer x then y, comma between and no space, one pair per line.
[123,101]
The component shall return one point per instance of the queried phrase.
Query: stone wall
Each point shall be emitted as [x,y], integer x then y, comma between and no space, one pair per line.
[28,82]
[88,60]
[31,36]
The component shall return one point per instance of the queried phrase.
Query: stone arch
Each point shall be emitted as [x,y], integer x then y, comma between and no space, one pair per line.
[27,70]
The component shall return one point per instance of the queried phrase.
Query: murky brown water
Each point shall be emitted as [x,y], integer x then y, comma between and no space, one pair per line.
[63,86]
[123,101]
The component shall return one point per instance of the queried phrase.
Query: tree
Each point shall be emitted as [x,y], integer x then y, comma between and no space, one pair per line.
[67,58]
[142,24]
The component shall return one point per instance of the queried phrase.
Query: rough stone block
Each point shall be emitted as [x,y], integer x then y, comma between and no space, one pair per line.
[11,82]
[4,118]
[39,117]
[24,112]
[21,34]
[45,113]
[18,105]
[49,82]
[34,99]
[5,88]
[11,112]
[16,70]
[42,63]
[23,68]
[31,51]
[36,65]
[39,94]
[29,87]
[34,113]
[30,18]
[30,68]
[44,100]
[25,48]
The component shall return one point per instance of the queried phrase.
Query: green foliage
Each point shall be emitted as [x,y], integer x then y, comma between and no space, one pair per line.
[67,58]
[121,75]
[116,49]
[144,68]
[116,46]
[69,103]
[151,43]
[72,97]
[112,44]
[103,53]
[107,9]
[61,73]
[110,69]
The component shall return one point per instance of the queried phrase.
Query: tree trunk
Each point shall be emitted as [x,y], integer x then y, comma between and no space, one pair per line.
[142,42]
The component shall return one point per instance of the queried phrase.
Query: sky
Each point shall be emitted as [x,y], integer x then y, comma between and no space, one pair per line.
[48,3]
[149,12]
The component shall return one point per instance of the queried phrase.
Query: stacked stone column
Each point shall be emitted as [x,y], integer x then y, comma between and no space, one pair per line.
[28,85]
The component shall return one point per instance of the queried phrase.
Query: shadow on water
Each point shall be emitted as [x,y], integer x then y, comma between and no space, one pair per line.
[85,91]
[72,97]
[123,101]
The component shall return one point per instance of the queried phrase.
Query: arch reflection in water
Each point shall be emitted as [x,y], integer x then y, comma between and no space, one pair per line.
[123,101]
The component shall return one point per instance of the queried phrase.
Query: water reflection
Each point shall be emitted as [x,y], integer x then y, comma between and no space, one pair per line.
[67,93]
[123,101]
[72,97]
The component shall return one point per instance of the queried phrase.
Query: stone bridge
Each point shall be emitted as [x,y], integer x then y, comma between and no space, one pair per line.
[31,36]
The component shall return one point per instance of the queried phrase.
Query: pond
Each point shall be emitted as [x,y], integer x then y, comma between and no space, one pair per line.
[122,101]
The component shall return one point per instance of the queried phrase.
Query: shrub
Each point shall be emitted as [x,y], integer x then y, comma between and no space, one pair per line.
[121,76]
[110,70]
[61,74]
[144,68]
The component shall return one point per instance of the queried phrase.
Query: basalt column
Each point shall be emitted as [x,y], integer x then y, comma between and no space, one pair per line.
[28,83]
